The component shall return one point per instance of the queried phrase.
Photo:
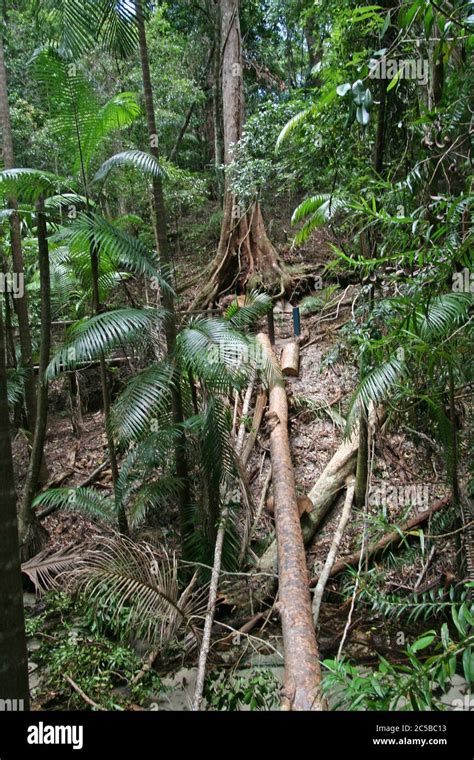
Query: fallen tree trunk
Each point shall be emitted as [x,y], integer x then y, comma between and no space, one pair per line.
[211,608]
[302,670]
[329,564]
[260,405]
[323,495]
[353,559]
[290,360]
[329,485]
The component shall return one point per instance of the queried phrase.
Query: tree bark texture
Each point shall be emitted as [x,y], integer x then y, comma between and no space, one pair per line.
[13,654]
[302,669]
[20,303]
[31,533]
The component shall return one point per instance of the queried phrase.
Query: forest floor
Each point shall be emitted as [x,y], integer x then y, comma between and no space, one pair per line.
[317,396]
[405,461]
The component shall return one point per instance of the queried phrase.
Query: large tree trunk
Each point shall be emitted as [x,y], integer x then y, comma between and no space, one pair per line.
[31,533]
[302,670]
[245,256]
[20,303]
[184,495]
[13,654]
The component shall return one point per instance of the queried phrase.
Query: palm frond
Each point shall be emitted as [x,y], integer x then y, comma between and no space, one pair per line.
[29,184]
[117,28]
[292,125]
[443,314]
[82,499]
[76,25]
[77,117]
[121,248]
[65,200]
[255,306]
[119,112]
[375,387]
[221,356]
[320,209]
[15,385]
[150,495]
[145,163]
[46,569]
[119,573]
[87,339]
[147,397]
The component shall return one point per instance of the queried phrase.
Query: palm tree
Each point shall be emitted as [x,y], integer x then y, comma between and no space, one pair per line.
[163,251]
[213,358]
[79,119]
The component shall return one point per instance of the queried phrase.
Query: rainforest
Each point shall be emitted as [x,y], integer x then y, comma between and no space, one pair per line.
[236,361]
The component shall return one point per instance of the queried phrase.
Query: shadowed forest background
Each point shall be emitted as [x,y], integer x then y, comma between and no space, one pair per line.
[236,357]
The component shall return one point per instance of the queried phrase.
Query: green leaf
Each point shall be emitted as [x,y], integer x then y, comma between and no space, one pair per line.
[87,339]
[423,641]
[386,23]
[136,159]
[394,80]
[362,115]
[83,499]
[468,665]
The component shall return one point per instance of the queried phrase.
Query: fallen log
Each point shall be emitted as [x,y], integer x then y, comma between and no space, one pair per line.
[329,485]
[305,505]
[302,670]
[290,360]
[260,405]
[353,559]
[209,619]
[329,564]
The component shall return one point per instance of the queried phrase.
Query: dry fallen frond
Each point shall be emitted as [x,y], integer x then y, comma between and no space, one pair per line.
[119,574]
[47,569]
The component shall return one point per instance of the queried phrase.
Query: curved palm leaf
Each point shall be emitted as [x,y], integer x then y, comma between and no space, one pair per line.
[45,570]
[221,356]
[119,573]
[443,314]
[375,387]
[150,495]
[320,209]
[89,338]
[147,397]
[83,499]
[29,184]
[15,385]
[292,125]
[116,244]
[119,112]
[255,306]
[136,159]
